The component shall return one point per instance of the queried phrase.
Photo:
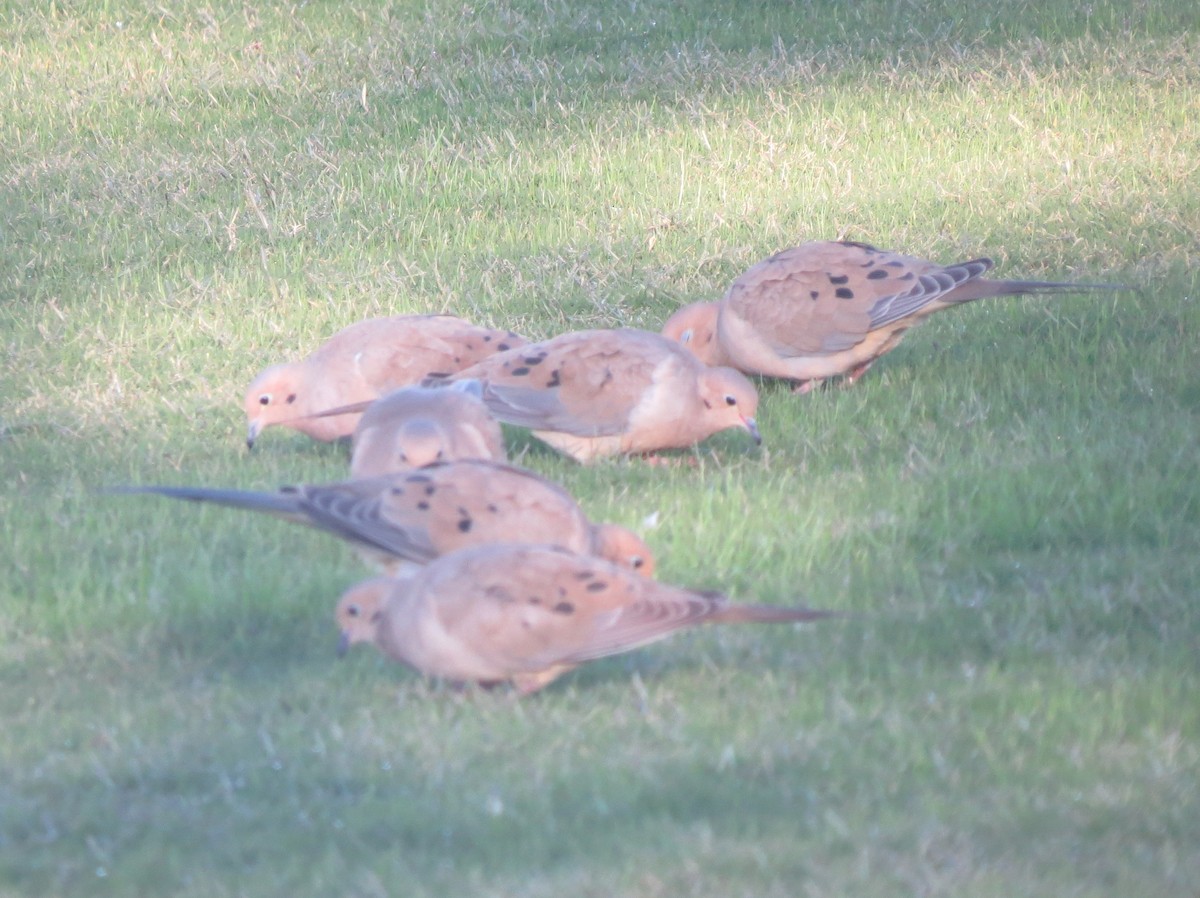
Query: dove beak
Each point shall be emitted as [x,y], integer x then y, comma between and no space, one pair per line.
[252,434]
[343,644]
[752,426]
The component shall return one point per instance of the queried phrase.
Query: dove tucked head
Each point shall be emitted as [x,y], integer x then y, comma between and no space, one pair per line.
[624,547]
[414,443]
[695,328]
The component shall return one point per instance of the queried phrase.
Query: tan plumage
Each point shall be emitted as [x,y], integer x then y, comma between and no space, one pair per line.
[598,393]
[526,614]
[361,363]
[418,515]
[831,308]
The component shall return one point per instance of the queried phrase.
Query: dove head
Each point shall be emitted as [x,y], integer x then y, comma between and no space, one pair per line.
[695,328]
[415,443]
[289,395]
[273,397]
[624,547]
[730,399]
[360,612]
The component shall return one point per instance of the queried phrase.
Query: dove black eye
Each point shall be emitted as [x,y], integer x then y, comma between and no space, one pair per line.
[352,610]
[264,399]
[729,400]
[638,562]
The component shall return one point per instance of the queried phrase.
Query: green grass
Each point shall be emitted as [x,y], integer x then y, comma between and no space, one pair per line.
[1009,502]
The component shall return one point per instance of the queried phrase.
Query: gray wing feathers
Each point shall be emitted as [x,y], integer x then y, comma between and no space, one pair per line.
[928,288]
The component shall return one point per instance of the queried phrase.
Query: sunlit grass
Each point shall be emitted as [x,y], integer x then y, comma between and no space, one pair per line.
[1007,504]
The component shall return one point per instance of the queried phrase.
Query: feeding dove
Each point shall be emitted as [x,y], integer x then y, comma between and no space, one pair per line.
[597,393]
[418,515]
[824,309]
[417,426]
[527,614]
[363,362]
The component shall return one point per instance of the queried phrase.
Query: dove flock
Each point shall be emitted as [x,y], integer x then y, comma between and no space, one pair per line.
[493,574]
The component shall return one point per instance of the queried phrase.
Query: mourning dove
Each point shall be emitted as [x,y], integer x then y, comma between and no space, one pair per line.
[526,614]
[362,362]
[829,308]
[418,515]
[416,426]
[598,393]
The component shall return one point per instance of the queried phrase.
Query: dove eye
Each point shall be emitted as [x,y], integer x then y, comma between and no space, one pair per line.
[638,562]
[264,399]
[352,610]
[729,400]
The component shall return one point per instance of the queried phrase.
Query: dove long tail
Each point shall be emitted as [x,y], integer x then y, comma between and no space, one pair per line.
[282,504]
[980,288]
[768,614]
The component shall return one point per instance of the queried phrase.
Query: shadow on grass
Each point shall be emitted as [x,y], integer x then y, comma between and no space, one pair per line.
[210,815]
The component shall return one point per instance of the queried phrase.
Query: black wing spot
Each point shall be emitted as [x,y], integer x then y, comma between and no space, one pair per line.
[815,294]
[838,278]
[519,372]
[597,586]
[423,505]
[877,274]
[564,608]
[844,293]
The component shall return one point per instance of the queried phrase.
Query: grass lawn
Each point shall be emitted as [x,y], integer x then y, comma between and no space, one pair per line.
[1009,503]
